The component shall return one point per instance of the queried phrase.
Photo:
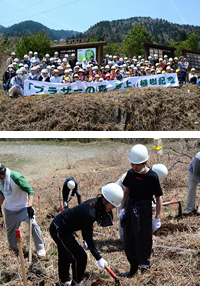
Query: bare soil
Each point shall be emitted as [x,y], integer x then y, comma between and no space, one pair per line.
[164,109]
[101,164]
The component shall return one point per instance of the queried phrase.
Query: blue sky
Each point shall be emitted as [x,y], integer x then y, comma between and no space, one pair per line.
[80,15]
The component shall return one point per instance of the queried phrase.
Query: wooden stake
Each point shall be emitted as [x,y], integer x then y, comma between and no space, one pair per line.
[19,243]
[30,237]
[39,211]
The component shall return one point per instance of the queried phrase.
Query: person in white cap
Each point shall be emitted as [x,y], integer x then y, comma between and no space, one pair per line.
[35,58]
[106,60]
[55,78]
[44,76]
[70,184]
[30,55]
[8,74]
[56,59]
[82,217]
[26,61]
[47,58]
[10,60]
[84,64]
[33,75]
[18,196]
[73,61]
[141,185]
[193,77]
[17,87]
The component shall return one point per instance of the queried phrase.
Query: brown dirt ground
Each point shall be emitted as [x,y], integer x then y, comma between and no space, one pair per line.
[164,109]
[169,267]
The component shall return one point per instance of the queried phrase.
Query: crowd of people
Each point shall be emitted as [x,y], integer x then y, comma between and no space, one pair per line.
[56,70]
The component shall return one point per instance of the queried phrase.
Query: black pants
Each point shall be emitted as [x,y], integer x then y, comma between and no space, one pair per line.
[138,235]
[69,252]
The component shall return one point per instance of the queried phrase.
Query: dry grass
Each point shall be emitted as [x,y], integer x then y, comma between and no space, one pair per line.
[147,109]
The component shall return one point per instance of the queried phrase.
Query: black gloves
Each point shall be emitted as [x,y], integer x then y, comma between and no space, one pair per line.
[30,212]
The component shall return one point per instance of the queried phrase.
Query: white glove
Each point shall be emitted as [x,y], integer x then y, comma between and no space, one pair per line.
[102,263]
[65,204]
[121,214]
[71,197]
[85,246]
[156,224]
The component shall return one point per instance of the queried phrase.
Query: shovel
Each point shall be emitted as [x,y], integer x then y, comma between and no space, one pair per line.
[30,237]
[180,213]
[113,275]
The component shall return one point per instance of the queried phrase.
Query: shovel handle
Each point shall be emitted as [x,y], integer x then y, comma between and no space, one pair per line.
[111,272]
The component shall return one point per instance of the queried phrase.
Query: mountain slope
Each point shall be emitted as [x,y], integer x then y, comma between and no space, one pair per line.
[160,29]
[30,26]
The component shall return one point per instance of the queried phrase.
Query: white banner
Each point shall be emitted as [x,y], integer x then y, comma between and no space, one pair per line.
[39,87]
[86,53]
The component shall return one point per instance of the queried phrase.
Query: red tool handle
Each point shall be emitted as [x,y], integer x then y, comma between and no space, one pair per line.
[171,202]
[111,272]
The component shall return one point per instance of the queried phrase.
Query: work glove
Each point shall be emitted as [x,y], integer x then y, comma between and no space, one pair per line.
[30,212]
[85,246]
[121,214]
[65,205]
[156,224]
[102,263]
[71,197]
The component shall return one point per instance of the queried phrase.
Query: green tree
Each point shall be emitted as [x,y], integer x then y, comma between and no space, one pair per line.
[182,36]
[191,43]
[37,41]
[132,44]
[111,48]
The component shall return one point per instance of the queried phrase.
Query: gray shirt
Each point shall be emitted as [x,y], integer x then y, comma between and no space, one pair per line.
[194,166]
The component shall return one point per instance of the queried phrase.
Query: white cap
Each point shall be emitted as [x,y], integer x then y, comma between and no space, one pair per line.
[76,67]
[44,71]
[21,65]
[56,71]
[150,57]
[23,69]
[160,59]
[193,69]
[26,66]
[107,67]
[56,53]
[64,60]
[73,55]
[88,66]
[161,171]
[19,71]
[36,53]
[66,71]
[16,60]
[124,65]
[110,56]
[113,193]
[113,68]
[30,52]
[168,68]
[121,59]
[114,57]
[51,59]
[170,60]
[10,66]
[13,54]
[165,56]
[26,56]
[107,55]
[138,154]
[71,184]
[81,70]
[66,56]
[139,57]
[47,55]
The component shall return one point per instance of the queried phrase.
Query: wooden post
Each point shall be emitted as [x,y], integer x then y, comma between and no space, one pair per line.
[30,237]
[19,243]
[39,210]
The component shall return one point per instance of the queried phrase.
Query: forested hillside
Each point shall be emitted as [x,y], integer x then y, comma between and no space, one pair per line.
[162,30]
[18,30]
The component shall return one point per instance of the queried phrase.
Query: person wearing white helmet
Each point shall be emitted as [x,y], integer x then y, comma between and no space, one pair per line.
[56,59]
[43,65]
[35,58]
[106,60]
[47,58]
[24,74]
[121,62]
[141,185]
[16,85]
[26,61]
[33,75]
[166,60]
[84,64]
[8,74]
[44,76]
[82,217]
[70,184]
[73,61]
[193,77]
[30,55]
[55,78]
[10,60]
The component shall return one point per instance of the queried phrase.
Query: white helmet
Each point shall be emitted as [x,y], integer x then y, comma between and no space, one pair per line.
[71,185]
[113,193]
[138,154]
[161,171]
[19,71]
